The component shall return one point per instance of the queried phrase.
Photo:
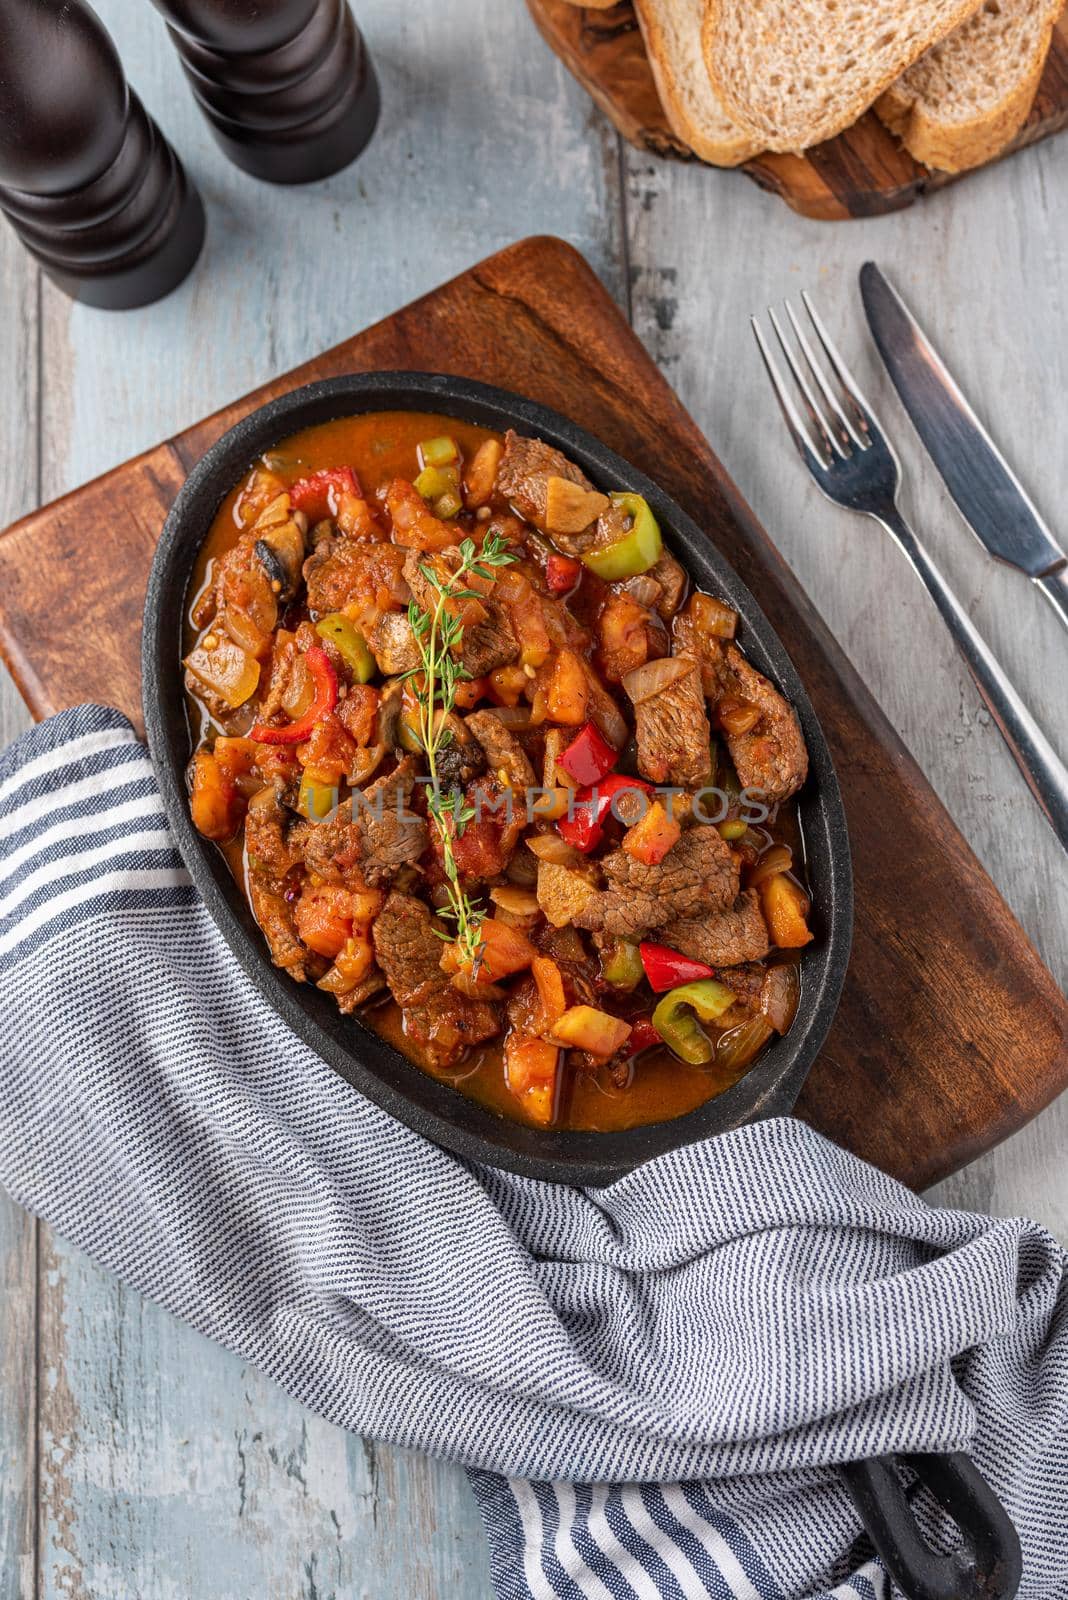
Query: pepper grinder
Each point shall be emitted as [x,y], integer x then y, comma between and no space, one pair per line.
[287,86]
[87,179]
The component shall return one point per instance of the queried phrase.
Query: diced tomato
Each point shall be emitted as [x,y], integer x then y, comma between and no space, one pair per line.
[330,750]
[584,829]
[358,712]
[589,757]
[562,573]
[318,495]
[414,525]
[666,968]
[643,1036]
[530,1068]
[323,918]
[503,950]
[652,837]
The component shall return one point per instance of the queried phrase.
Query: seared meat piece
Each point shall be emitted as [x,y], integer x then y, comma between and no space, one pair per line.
[438,1019]
[523,477]
[771,757]
[275,917]
[506,761]
[460,757]
[366,842]
[674,738]
[725,939]
[341,572]
[698,876]
[393,644]
[485,645]
[672,580]
[274,835]
[563,893]
[365,990]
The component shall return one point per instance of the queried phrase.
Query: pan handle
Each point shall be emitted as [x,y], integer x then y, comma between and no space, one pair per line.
[987,1563]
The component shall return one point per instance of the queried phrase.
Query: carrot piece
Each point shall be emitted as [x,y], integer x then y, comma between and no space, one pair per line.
[323,918]
[652,837]
[551,999]
[530,1068]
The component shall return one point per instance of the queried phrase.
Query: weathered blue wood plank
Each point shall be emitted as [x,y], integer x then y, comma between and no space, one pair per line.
[168,1468]
[18,1233]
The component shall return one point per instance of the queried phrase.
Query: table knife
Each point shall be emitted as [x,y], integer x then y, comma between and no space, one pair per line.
[988,493]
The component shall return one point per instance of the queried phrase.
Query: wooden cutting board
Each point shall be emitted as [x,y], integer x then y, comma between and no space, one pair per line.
[951,1033]
[863,173]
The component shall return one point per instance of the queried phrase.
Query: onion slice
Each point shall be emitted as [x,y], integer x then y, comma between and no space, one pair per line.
[655,676]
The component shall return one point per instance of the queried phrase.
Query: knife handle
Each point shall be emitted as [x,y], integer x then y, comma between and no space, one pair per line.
[1055,588]
[1042,768]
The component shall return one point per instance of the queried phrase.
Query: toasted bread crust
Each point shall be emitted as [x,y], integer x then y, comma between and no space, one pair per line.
[736,144]
[936,139]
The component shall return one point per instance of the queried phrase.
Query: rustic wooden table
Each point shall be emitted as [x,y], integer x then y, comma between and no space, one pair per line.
[139,1461]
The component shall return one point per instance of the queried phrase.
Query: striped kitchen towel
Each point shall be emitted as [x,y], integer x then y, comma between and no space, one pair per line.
[648,1382]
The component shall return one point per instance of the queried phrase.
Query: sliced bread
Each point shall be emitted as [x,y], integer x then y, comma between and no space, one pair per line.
[796,72]
[963,101]
[672,33]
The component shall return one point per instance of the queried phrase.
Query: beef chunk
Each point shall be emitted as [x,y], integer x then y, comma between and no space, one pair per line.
[275,917]
[674,738]
[483,646]
[725,939]
[772,756]
[341,572]
[275,836]
[671,577]
[393,644]
[698,876]
[358,846]
[523,479]
[440,1021]
[507,763]
[365,990]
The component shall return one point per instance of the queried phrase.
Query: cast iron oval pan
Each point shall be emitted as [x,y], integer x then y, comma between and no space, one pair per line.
[434,1109]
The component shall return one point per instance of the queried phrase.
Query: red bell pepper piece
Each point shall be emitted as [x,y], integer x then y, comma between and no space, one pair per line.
[666,968]
[324,679]
[562,573]
[584,829]
[589,757]
[643,1036]
[317,494]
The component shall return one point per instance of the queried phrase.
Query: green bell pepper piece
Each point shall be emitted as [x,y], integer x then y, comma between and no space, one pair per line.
[636,551]
[316,800]
[676,1018]
[440,452]
[623,968]
[350,644]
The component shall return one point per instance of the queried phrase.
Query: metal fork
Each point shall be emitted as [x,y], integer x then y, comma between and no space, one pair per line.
[845,449]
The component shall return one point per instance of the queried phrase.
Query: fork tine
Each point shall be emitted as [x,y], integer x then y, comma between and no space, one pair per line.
[816,465]
[815,415]
[859,409]
[845,433]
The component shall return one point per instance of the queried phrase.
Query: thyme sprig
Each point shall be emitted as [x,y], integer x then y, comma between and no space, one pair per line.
[438,633]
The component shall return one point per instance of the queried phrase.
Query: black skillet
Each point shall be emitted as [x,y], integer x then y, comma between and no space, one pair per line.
[986,1566]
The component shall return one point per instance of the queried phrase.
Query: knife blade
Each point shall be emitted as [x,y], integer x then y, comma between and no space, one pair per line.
[990,497]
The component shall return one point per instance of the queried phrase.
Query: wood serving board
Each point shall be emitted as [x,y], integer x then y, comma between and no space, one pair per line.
[951,1033]
[865,172]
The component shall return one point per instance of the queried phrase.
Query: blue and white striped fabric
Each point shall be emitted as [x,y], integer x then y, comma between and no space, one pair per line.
[647,1382]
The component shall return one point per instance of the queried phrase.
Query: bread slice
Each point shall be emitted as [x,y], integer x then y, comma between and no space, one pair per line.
[967,97]
[796,72]
[672,33]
